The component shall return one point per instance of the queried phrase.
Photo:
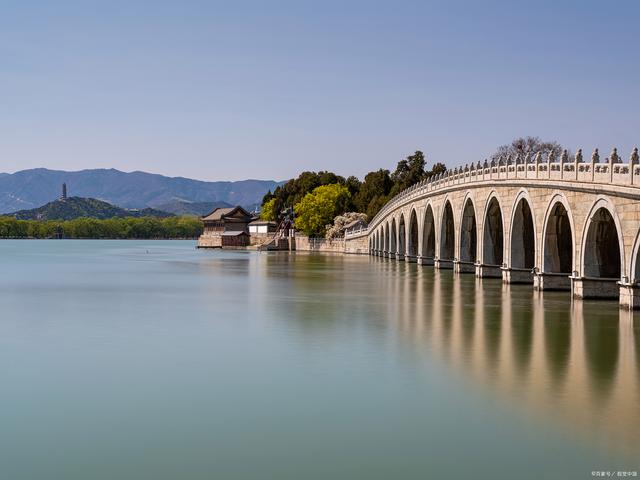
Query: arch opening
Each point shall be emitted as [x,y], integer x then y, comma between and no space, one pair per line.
[402,240]
[602,247]
[493,236]
[447,234]
[428,235]
[558,243]
[392,237]
[636,269]
[468,234]
[523,240]
[413,235]
[385,238]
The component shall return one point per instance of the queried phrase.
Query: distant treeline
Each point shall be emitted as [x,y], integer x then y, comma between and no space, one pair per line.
[113,228]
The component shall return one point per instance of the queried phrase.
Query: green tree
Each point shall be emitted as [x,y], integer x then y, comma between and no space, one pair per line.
[375,205]
[144,227]
[408,172]
[295,189]
[318,208]
[437,169]
[268,211]
[376,185]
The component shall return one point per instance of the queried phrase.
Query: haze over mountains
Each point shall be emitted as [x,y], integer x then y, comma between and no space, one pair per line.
[33,188]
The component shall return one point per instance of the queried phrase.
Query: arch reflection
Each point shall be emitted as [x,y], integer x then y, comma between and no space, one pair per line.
[576,366]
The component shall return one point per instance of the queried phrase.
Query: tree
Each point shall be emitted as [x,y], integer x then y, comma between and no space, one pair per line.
[268,211]
[437,169]
[375,205]
[130,227]
[408,172]
[376,184]
[523,146]
[368,196]
[295,189]
[320,207]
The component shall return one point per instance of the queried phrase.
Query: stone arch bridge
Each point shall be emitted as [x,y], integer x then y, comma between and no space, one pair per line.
[564,224]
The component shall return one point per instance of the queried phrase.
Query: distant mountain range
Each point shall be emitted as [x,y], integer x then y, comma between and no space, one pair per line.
[28,189]
[76,207]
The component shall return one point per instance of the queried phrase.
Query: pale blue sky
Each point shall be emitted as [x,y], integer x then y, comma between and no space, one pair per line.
[239,89]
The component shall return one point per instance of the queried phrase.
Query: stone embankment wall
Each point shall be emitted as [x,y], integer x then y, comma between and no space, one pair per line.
[259,238]
[210,241]
[338,245]
[306,244]
[359,245]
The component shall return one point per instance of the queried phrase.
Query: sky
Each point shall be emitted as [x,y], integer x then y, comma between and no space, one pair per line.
[266,89]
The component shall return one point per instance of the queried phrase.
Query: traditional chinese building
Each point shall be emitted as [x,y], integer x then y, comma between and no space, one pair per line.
[225,228]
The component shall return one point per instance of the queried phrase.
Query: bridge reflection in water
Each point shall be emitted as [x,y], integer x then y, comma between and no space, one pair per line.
[573,364]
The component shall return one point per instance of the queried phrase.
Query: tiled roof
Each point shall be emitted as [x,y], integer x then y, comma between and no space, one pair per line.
[218,213]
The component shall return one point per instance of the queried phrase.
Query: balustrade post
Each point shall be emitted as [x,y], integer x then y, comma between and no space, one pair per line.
[632,164]
[613,159]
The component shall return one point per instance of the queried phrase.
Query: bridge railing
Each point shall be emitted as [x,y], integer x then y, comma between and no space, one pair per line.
[356,233]
[611,171]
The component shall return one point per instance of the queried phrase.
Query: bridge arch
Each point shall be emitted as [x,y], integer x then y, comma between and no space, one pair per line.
[602,249]
[385,237]
[413,236]
[634,270]
[493,232]
[558,237]
[428,234]
[468,231]
[447,233]
[393,236]
[522,237]
[402,237]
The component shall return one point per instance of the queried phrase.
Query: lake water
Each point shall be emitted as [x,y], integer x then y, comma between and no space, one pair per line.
[153,360]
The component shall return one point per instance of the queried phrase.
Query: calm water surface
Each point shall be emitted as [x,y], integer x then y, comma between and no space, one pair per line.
[152,360]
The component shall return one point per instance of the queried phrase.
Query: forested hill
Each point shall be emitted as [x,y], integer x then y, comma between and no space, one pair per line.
[76,207]
[31,188]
